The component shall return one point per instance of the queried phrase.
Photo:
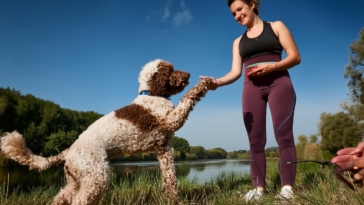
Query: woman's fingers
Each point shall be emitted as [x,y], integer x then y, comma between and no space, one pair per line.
[355,164]
[358,176]
[259,70]
[346,151]
[360,148]
[343,158]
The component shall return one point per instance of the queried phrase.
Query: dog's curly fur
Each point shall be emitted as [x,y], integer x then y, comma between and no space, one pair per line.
[148,123]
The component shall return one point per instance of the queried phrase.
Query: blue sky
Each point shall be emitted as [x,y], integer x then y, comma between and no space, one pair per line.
[87,55]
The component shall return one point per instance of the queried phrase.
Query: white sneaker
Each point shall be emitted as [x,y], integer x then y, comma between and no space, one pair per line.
[253,194]
[286,193]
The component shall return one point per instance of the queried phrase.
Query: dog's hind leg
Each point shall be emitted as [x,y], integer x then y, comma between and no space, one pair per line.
[66,195]
[93,184]
[165,158]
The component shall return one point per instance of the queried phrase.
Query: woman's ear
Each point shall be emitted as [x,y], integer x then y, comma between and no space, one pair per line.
[252,5]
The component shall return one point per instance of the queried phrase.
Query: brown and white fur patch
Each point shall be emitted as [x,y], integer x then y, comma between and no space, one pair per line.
[147,124]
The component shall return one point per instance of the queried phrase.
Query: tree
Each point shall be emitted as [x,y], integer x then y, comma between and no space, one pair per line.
[3,105]
[338,131]
[272,152]
[271,149]
[355,69]
[312,151]
[59,141]
[180,144]
[199,151]
[8,116]
[241,154]
[232,155]
[313,139]
[356,111]
[300,146]
[216,153]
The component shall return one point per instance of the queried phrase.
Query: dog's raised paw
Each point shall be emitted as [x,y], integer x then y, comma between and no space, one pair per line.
[206,81]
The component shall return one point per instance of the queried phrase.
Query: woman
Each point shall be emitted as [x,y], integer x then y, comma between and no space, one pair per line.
[266,80]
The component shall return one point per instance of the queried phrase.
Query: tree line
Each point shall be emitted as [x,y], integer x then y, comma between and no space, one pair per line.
[47,128]
[184,152]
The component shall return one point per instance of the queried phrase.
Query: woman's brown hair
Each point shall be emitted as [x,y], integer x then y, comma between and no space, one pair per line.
[248,2]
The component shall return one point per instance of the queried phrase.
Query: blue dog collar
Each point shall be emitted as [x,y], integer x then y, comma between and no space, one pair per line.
[144,92]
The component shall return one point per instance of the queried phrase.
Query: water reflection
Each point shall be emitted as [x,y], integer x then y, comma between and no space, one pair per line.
[200,165]
[22,177]
[201,171]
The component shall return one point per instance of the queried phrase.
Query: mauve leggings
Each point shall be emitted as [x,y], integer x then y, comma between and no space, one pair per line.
[276,89]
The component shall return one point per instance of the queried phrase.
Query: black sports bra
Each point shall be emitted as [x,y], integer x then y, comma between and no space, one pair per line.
[267,43]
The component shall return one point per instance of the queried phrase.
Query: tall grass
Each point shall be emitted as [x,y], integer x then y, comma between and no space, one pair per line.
[314,185]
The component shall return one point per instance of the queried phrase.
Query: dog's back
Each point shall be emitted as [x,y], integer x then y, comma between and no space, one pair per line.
[130,129]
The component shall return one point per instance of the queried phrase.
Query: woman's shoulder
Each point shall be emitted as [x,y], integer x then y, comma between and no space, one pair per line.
[277,24]
[237,40]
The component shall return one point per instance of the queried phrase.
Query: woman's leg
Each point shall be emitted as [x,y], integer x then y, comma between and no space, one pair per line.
[282,100]
[254,114]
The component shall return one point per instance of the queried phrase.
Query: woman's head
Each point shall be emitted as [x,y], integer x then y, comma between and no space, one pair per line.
[248,2]
[245,12]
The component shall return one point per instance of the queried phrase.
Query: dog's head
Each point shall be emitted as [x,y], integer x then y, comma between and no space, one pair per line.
[159,78]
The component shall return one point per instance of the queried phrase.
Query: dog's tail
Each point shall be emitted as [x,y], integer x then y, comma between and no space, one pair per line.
[14,147]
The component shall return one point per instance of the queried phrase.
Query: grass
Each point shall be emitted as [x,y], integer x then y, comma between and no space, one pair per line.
[314,185]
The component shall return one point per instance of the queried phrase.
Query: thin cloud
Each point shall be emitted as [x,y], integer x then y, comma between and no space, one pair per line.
[183,5]
[171,16]
[184,16]
[167,10]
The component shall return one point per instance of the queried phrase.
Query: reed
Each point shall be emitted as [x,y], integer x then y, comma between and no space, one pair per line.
[314,185]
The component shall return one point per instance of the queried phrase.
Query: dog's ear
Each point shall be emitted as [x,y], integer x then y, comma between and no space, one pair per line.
[166,65]
[159,82]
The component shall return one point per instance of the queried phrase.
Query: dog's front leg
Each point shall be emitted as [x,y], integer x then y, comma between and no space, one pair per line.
[165,158]
[178,116]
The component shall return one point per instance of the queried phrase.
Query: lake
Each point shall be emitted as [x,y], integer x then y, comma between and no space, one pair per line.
[200,170]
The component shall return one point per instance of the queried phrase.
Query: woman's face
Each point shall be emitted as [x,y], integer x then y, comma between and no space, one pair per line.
[242,12]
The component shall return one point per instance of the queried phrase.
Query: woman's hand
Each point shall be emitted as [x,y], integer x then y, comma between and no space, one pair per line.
[213,85]
[351,159]
[349,154]
[262,69]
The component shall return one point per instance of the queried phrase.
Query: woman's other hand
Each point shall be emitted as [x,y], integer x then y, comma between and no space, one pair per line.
[261,69]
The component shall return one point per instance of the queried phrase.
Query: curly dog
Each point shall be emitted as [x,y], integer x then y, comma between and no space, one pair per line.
[147,124]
